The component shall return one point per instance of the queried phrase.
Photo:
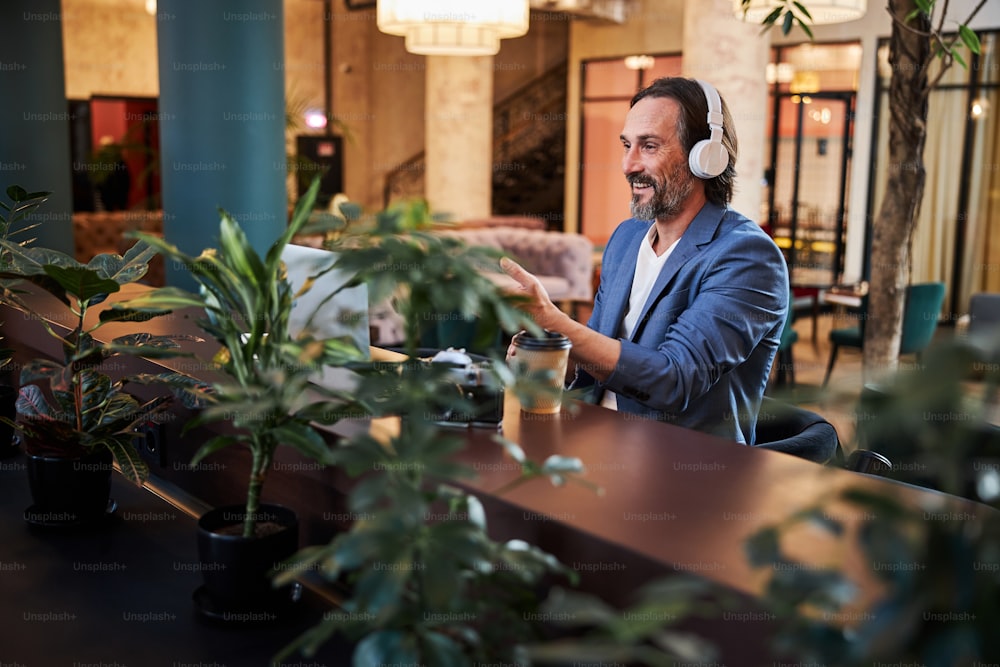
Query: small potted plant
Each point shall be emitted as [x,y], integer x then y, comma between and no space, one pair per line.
[258,400]
[427,584]
[22,204]
[74,417]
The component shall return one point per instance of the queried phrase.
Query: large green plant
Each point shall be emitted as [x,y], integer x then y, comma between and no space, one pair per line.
[72,405]
[917,42]
[428,585]
[266,389]
[22,204]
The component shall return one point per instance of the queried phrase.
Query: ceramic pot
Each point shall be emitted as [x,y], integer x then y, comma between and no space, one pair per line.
[236,570]
[69,491]
[8,399]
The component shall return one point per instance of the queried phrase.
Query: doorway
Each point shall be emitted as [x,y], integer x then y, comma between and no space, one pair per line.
[808,185]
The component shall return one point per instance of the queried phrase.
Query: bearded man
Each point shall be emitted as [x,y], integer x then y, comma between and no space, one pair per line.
[693,295]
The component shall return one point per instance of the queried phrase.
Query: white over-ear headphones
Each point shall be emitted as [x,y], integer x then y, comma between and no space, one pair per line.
[709,158]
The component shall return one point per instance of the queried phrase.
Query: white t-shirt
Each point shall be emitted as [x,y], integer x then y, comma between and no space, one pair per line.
[647,267]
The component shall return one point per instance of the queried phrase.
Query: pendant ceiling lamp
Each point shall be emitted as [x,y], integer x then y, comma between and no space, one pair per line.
[453,27]
[822,11]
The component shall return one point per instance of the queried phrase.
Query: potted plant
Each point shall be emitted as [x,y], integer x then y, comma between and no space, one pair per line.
[74,417]
[22,204]
[265,395]
[427,585]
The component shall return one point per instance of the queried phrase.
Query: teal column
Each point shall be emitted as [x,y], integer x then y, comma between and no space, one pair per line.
[222,121]
[34,116]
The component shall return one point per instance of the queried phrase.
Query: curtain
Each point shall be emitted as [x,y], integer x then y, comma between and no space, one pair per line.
[934,235]
[982,251]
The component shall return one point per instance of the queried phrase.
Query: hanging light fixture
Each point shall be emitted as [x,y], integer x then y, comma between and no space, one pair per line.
[639,62]
[453,27]
[779,72]
[822,11]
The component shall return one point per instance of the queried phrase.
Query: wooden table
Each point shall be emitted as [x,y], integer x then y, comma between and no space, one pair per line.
[674,500]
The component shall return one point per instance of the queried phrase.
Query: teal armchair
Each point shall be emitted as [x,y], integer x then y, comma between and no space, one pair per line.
[920,321]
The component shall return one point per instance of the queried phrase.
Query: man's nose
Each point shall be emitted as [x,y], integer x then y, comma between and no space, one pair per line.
[630,162]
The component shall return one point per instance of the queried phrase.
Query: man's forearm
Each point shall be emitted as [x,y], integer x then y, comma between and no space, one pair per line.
[594,353]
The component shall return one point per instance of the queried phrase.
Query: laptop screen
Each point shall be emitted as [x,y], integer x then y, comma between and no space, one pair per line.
[345,314]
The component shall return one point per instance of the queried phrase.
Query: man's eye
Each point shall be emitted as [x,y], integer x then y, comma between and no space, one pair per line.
[649,147]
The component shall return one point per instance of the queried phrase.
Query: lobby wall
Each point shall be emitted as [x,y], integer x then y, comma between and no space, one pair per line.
[377,87]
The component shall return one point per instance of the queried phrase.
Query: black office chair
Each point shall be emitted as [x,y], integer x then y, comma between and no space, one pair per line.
[787,428]
[784,427]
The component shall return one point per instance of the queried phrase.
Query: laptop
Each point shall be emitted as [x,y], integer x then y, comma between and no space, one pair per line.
[345,314]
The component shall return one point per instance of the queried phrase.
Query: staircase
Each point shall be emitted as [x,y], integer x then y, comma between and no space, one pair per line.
[529,149]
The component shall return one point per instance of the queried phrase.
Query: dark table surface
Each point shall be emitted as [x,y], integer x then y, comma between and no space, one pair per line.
[121,593]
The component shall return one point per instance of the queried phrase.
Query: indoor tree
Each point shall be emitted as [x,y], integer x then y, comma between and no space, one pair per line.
[922,47]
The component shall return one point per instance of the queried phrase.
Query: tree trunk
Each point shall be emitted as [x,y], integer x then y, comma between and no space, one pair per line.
[892,231]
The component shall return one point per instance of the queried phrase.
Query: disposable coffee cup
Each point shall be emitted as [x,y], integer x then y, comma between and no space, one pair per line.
[542,359]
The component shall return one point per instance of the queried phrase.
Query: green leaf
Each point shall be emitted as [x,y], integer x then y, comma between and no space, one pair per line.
[381,590]
[512,448]
[763,548]
[126,268]
[476,512]
[572,608]
[562,464]
[802,10]
[133,467]
[772,18]
[958,58]
[441,651]
[160,301]
[818,516]
[300,216]
[237,252]
[82,282]
[40,369]
[787,23]
[806,29]
[385,647]
[970,38]
[367,493]
[212,446]
[32,404]
[305,439]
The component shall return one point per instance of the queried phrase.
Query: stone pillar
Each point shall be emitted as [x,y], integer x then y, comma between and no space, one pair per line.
[459,135]
[34,117]
[733,55]
[222,121]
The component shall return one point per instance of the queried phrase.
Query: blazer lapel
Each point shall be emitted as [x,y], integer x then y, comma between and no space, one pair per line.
[621,289]
[700,232]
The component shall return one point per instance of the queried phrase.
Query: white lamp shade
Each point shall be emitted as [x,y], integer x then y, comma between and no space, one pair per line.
[453,27]
[822,11]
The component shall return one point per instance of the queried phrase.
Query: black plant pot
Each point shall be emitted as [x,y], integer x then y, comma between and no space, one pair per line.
[69,491]
[237,570]
[8,399]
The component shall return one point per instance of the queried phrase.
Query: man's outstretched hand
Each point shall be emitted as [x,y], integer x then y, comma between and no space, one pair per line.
[538,305]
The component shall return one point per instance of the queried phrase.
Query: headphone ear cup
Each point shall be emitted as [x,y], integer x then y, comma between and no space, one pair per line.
[708,159]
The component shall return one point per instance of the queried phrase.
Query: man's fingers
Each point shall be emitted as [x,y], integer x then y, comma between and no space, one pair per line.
[515,271]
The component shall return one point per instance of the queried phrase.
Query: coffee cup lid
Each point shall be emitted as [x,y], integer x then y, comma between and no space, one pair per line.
[550,340]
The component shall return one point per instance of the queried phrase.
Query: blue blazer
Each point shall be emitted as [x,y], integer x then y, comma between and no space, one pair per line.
[703,347]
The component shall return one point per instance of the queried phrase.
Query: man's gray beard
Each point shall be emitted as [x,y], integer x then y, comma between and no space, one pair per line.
[666,201]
